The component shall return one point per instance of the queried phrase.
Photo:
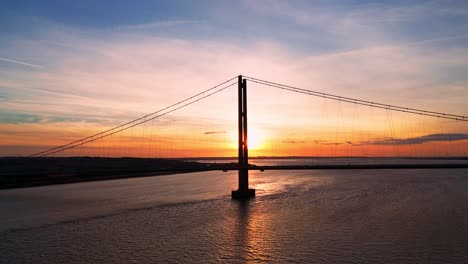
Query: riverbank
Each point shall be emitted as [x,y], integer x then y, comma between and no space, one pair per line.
[18,172]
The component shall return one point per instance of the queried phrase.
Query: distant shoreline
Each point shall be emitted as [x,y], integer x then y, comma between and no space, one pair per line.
[324,157]
[22,172]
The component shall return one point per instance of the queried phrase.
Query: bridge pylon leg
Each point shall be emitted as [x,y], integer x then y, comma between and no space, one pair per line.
[244,192]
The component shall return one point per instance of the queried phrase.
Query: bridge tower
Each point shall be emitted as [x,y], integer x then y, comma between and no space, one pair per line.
[243,160]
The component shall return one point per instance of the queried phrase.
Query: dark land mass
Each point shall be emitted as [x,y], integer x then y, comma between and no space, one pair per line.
[18,172]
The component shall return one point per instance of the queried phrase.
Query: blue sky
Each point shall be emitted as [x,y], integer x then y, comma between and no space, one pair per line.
[98,14]
[309,25]
[76,62]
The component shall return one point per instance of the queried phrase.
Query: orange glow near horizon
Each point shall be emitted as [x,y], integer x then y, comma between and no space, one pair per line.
[180,142]
[327,136]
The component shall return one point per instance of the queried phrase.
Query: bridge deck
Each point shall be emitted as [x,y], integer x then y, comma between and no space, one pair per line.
[322,167]
[329,167]
[361,167]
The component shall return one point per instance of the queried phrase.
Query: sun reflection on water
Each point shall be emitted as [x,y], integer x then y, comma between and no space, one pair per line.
[254,232]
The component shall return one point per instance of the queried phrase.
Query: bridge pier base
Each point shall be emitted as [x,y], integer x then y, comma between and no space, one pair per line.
[243,194]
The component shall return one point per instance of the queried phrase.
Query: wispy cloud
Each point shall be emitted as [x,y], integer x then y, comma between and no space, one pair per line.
[159,24]
[332,143]
[214,132]
[22,63]
[418,140]
[25,118]
[10,118]
[294,141]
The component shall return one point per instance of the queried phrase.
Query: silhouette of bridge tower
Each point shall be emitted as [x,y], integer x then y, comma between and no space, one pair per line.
[243,160]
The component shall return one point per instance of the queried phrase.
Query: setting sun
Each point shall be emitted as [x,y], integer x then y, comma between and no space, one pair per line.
[255,140]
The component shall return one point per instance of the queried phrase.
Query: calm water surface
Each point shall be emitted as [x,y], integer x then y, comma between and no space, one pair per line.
[355,216]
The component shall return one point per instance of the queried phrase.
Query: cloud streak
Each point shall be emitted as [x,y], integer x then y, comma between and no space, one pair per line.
[24,118]
[159,24]
[419,140]
[22,63]
[294,141]
[214,132]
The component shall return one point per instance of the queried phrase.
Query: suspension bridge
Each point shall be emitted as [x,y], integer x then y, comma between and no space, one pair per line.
[243,164]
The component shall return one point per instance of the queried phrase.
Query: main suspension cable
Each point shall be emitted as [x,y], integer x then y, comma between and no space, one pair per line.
[358,101]
[137,121]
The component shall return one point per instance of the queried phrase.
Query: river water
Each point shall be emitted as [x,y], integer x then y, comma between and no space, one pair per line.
[352,216]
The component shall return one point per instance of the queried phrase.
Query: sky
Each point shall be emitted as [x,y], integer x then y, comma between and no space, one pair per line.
[69,69]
